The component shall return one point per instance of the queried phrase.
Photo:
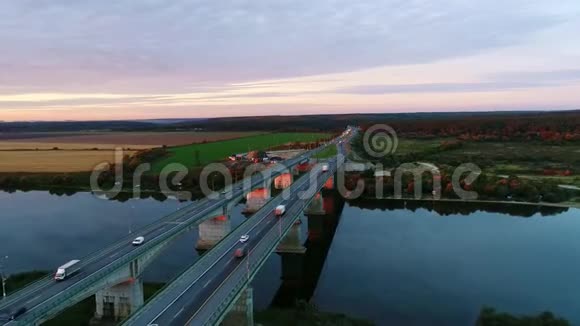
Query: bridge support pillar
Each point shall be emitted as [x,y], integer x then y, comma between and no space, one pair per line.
[329,184]
[283,181]
[242,313]
[295,171]
[292,242]
[119,301]
[316,206]
[257,199]
[213,231]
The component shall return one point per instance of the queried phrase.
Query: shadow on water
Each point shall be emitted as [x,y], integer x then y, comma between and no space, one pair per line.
[301,272]
[446,208]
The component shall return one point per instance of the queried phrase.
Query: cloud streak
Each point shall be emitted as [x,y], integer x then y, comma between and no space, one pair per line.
[277,54]
[200,41]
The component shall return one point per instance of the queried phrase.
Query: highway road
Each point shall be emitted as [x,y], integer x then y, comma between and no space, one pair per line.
[39,297]
[191,299]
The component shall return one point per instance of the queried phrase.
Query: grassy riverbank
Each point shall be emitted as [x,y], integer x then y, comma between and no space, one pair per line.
[291,317]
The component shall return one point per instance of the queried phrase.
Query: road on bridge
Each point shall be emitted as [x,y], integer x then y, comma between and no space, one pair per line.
[41,297]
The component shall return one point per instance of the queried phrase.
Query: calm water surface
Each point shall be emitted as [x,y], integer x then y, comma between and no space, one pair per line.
[421,268]
[388,264]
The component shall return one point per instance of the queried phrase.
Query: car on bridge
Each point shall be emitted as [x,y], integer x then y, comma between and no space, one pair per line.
[244,238]
[18,313]
[138,241]
[240,252]
[6,316]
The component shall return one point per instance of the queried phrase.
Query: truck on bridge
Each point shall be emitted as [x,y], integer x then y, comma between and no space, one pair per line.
[67,270]
[280,210]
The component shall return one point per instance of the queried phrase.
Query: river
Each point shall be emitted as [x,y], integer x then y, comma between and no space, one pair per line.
[387,262]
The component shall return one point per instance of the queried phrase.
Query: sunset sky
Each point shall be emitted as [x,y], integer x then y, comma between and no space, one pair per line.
[145,59]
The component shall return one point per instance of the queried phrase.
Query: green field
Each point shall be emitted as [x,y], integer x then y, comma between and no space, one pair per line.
[406,146]
[328,152]
[201,154]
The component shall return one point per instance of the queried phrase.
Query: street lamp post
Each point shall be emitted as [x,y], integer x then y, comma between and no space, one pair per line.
[3,276]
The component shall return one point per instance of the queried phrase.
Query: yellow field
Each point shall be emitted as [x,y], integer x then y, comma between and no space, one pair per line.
[54,161]
[12,145]
[151,139]
[76,151]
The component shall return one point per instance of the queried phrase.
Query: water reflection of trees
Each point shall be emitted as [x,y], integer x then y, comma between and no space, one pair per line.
[445,208]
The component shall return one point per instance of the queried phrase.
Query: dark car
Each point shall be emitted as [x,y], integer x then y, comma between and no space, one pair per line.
[18,313]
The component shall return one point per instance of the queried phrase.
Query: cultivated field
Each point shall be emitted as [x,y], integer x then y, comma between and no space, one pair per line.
[28,146]
[201,154]
[149,139]
[328,152]
[77,152]
[54,161]
[74,152]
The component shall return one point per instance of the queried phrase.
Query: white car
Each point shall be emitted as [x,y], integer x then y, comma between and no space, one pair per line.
[244,238]
[138,241]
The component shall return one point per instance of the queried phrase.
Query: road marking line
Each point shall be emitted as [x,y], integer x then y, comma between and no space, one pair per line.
[179,312]
[36,297]
[206,284]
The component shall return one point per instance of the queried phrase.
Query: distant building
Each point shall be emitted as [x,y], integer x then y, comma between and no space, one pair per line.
[257,156]
[382,173]
[236,157]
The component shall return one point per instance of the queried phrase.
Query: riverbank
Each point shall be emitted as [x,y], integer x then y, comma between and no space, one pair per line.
[490,317]
[503,202]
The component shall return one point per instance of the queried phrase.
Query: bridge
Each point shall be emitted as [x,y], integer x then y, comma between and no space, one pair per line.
[218,282]
[118,267]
